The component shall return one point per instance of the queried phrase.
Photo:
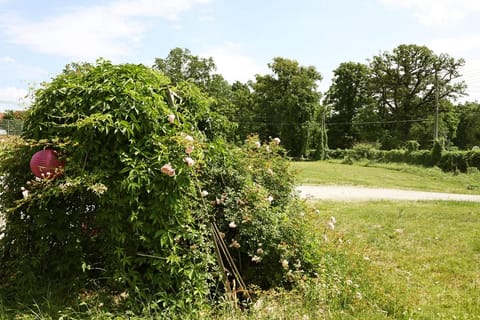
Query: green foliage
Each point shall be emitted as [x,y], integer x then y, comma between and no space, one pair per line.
[449,161]
[437,149]
[468,134]
[286,104]
[128,213]
[412,145]
[393,98]
[348,94]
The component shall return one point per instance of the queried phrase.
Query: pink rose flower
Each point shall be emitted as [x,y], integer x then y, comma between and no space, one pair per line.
[190,162]
[168,170]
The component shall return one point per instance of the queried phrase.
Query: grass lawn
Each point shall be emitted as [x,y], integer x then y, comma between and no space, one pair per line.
[425,254]
[386,175]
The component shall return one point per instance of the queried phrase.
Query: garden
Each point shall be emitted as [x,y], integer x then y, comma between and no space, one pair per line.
[148,211]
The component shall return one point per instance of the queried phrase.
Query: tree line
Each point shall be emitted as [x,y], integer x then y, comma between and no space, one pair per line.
[395,97]
[408,94]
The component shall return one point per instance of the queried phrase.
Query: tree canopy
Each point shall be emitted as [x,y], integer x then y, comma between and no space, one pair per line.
[397,95]
[287,103]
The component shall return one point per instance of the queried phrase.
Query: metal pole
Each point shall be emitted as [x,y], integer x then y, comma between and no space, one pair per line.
[435,136]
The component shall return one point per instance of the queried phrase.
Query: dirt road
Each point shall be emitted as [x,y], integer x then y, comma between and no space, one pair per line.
[351,193]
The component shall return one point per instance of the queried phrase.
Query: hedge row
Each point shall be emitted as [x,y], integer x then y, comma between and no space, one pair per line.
[446,160]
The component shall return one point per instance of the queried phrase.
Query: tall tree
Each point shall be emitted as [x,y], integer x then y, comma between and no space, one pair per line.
[286,103]
[348,94]
[182,66]
[468,132]
[407,84]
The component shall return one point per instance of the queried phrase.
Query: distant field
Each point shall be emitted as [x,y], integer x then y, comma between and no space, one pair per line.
[386,176]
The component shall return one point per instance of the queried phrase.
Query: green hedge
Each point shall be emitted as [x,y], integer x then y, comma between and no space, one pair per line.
[447,161]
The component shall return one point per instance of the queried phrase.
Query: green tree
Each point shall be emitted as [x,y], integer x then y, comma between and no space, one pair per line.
[286,104]
[406,84]
[468,132]
[346,97]
[181,65]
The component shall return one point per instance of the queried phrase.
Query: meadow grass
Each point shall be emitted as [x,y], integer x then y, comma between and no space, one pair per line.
[401,176]
[426,253]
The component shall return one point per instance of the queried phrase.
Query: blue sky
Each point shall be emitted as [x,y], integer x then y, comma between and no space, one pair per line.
[38,38]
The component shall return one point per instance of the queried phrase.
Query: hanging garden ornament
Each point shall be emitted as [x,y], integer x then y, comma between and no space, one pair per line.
[45,164]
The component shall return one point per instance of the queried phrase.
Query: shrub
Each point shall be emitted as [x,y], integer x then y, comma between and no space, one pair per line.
[412,146]
[128,214]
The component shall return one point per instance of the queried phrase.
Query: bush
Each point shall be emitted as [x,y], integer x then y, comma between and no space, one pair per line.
[129,213]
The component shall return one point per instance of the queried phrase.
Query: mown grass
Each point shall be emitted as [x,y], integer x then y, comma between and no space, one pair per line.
[402,176]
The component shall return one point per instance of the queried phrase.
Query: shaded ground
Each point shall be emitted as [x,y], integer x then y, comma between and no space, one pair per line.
[351,193]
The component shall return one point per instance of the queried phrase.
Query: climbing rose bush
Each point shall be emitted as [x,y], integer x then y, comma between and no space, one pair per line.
[142,187]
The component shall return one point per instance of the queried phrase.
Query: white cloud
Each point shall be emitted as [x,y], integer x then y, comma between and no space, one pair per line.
[471,75]
[110,30]
[437,12]
[12,98]
[457,45]
[233,64]
[6,59]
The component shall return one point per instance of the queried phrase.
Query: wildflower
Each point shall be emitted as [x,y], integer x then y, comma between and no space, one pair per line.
[270,199]
[232,225]
[333,220]
[331,225]
[284,264]
[268,149]
[190,162]
[25,192]
[258,144]
[276,140]
[204,193]
[99,188]
[256,259]
[234,244]
[259,251]
[358,295]
[297,265]
[189,138]
[168,170]
[189,149]
[349,282]
[171,118]
[270,172]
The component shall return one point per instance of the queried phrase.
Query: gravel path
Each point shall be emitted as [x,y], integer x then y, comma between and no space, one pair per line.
[351,193]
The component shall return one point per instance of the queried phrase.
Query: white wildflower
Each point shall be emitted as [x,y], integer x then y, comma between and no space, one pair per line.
[331,225]
[256,259]
[234,244]
[232,225]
